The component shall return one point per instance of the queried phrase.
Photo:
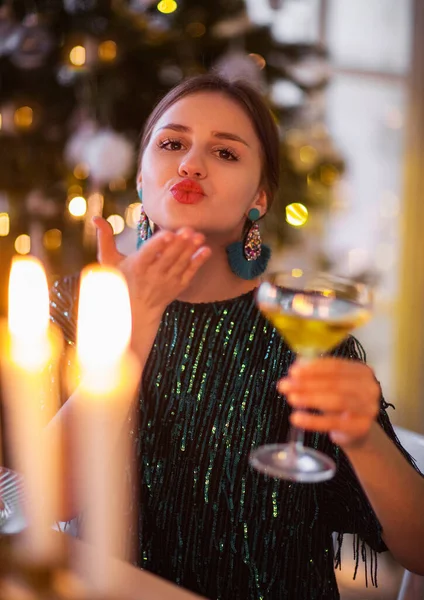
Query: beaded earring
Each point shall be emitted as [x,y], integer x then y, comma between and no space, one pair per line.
[144,231]
[249,258]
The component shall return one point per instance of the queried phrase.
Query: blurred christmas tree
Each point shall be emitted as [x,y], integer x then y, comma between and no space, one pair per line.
[79,77]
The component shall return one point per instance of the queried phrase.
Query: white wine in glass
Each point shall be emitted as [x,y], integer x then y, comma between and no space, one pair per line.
[313,313]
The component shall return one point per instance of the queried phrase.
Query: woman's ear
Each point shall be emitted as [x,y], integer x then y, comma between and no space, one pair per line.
[261,202]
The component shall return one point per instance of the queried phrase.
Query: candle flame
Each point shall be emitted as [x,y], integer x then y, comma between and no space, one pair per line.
[104,319]
[28,315]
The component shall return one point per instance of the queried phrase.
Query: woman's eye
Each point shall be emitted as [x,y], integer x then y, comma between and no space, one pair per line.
[170,145]
[227,154]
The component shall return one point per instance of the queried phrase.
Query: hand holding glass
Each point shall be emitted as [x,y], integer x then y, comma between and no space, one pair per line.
[314,313]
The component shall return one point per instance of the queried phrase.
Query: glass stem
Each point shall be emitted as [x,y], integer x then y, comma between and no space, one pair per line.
[297,435]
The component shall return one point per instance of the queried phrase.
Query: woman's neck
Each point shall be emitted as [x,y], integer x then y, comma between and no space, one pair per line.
[215,281]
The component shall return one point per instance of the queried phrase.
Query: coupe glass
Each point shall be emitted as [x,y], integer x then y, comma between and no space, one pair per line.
[11,498]
[313,312]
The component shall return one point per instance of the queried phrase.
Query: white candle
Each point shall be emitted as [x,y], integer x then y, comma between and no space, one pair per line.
[31,350]
[109,379]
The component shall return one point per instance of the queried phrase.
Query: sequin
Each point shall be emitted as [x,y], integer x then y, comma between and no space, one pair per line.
[207,520]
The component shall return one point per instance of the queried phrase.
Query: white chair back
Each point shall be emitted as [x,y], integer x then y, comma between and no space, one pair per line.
[412,587]
[413,443]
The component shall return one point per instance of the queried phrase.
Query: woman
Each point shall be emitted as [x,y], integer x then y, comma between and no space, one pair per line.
[211,362]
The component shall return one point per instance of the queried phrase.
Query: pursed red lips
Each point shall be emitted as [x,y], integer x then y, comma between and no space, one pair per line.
[187,192]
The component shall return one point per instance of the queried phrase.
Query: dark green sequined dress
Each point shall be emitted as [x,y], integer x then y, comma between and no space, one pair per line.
[207,520]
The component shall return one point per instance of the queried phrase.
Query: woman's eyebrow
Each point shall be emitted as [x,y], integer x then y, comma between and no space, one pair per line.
[176,127]
[222,135]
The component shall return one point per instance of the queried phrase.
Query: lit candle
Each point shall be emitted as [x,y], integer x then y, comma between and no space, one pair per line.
[109,379]
[31,350]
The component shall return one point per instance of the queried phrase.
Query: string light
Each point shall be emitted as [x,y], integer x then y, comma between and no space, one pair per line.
[23,117]
[167,6]
[23,244]
[4,224]
[308,155]
[117,222]
[77,206]
[296,214]
[132,214]
[52,239]
[297,273]
[77,56]
[107,51]
[81,171]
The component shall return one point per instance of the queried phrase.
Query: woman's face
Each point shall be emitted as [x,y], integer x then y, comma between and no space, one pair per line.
[202,167]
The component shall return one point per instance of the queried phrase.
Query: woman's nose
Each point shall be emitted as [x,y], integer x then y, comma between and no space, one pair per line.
[192,166]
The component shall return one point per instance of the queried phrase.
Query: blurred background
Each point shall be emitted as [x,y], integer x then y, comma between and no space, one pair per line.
[344,80]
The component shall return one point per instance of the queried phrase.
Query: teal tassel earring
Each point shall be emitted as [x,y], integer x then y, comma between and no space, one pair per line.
[248,259]
[144,231]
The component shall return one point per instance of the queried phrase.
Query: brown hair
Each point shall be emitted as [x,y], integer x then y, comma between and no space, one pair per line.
[249,100]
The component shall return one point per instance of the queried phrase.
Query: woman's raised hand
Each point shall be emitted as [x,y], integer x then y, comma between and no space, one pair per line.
[159,271]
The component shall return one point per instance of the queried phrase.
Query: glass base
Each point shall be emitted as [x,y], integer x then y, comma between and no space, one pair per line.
[294,462]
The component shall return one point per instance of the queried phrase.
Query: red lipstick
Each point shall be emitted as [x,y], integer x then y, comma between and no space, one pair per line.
[187,192]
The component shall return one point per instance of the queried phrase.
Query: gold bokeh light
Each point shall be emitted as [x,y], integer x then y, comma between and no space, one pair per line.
[4,224]
[107,51]
[296,214]
[297,273]
[167,6]
[308,155]
[77,56]
[24,117]
[132,214]
[52,239]
[81,171]
[117,223]
[23,244]
[77,206]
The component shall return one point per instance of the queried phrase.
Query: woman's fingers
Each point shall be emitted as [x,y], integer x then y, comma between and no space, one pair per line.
[333,394]
[327,366]
[107,252]
[184,258]
[353,426]
[171,254]
[197,261]
[163,267]
[181,244]
[343,395]
[153,249]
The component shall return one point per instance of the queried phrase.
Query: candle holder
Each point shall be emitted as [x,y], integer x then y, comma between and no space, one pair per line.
[24,578]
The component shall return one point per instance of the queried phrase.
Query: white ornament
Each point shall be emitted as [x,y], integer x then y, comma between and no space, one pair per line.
[109,156]
[78,142]
[238,65]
